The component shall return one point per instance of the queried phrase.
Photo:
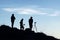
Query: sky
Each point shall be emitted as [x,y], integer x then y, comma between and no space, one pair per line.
[45,12]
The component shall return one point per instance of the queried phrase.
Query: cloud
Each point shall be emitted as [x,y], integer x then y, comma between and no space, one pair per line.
[24,11]
[28,11]
[8,9]
[56,13]
[33,10]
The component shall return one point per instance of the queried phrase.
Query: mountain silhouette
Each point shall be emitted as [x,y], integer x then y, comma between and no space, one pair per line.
[8,33]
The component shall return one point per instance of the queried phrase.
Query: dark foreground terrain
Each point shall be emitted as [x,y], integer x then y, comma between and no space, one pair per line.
[7,33]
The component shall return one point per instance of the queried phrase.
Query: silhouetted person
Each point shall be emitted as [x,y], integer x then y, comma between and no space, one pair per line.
[12,20]
[21,24]
[31,23]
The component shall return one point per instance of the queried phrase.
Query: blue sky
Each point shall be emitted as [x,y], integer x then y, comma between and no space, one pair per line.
[45,12]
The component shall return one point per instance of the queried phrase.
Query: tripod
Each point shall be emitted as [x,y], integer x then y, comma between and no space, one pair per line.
[35,26]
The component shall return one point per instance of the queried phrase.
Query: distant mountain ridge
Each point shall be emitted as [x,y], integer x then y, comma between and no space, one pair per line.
[8,33]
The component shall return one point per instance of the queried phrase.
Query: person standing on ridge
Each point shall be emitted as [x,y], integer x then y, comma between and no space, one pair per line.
[12,20]
[31,22]
[21,24]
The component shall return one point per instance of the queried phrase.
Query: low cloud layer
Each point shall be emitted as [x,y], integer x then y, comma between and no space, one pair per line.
[24,11]
[56,13]
[38,11]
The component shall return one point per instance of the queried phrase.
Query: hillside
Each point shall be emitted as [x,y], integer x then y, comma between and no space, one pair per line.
[7,33]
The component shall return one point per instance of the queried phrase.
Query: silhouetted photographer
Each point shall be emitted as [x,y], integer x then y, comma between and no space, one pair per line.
[21,24]
[31,22]
[12,20]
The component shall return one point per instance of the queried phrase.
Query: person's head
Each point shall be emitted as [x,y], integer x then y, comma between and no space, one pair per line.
[12,14]
[31,17]
[22,19]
